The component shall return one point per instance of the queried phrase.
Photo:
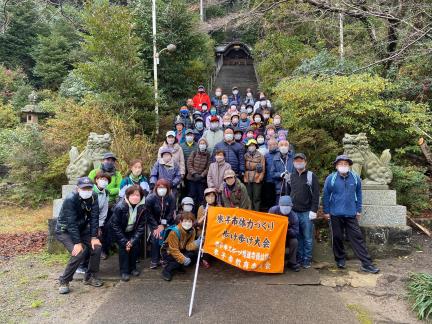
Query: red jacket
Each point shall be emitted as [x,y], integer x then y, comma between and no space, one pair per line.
[199,99]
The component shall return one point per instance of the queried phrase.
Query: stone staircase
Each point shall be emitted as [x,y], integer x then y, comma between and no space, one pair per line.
[242,76]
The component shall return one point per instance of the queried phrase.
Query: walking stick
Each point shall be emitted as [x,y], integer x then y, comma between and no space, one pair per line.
[198,262]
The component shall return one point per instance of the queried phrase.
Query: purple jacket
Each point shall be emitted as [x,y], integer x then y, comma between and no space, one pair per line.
[170,172]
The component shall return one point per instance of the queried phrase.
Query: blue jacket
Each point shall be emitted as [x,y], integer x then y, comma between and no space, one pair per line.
[237,98]
[344,197]
[269,162]
[279,166]
[293,222]
[244,125]
[216,101]
[234,155]
[170,173]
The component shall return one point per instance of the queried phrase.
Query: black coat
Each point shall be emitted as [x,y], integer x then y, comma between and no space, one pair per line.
[119,221]
[160,208]
[76,214]
[304,198]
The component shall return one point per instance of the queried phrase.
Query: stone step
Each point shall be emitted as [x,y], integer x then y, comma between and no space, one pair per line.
[379,197]
[383,215]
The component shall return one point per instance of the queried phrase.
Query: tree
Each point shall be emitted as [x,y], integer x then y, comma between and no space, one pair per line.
[113,70]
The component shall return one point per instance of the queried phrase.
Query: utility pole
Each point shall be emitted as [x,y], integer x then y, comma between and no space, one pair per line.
[155,64]
[202,10]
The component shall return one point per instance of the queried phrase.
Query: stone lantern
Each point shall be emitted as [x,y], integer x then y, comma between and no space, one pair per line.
[31,112]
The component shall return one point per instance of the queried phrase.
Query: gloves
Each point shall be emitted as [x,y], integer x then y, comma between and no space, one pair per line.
[198,241]
[312,215]
[197,177]
[152,185]
[187,261]
[285,175]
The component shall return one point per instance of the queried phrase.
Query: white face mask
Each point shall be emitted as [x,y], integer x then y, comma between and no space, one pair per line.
[189,139]
[252,148]
[238,136]
[202,147]
[166,158]
[187,208]
[187,225]
[219,158]
[162,191]
[300,165]
[343,169]
[266,116]
[257,119]
[235,120]
[226,123]
[285,210]
[260,140]
[283,149]
[249,110]
[199,126]
[263,103]
[214,125]
[204,108]
[276,121]
[85,194]
[249,94]
[235,92]
[250,135]
[102,183]
[228,137]
[170,141]
[224,101]
[218,93]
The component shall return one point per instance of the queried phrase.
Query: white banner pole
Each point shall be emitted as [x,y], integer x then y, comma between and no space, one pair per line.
[197,263]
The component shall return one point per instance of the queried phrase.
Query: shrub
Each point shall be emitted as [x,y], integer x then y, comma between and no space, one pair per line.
[412,187]
[420,294]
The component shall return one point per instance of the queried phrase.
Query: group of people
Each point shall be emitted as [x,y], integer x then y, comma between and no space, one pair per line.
[228,151]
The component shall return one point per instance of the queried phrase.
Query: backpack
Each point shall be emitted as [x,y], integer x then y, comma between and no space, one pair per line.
[308,180]
[333,180]
[165,233]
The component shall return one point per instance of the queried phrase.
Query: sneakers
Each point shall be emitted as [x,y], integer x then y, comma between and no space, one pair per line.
[135,273]
[294,267]
[307,264]
[369,268]
[81,270]
[93,281]
[125,277]
[341,264]
[64,288]
[166,275]
[154,265]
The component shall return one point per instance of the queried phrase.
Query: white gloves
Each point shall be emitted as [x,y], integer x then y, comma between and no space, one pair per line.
[285,175]
[312,215]
[187,261]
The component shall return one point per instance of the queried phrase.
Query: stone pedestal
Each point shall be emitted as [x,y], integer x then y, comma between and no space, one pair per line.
[53,245]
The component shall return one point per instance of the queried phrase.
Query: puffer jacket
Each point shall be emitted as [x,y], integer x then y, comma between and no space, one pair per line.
[177,156]
[254,167]
[237,197]
[234,155]
[169,171]
[215,176]
[188,149]
[159,208]
[198,163]
[213,137]
[76,214]
[269,162]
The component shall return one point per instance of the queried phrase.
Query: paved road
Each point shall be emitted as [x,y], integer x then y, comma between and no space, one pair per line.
[224,295]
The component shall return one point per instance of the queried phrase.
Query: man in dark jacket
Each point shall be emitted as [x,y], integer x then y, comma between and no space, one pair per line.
[268,193]
[342,204]
[303,187]
[282,166]
[234,152]
[285,209]
[76,228]
[160,205]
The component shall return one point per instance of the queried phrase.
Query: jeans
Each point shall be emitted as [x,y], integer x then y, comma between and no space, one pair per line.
[127,260]
[155,249]
[75,261]
[305,238]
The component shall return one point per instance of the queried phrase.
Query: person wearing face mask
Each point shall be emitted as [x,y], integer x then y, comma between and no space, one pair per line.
[233,107]
[197,169]
[235,96]
[176,151]
[160,205]
[270,132]
[249,110]
[235,119]
[77,228]
[217,98]
[254,173]
[282,166]
[180,248]
[234,152]
[238,135]
[342,205]
[108,166]
[284,208]
[249,100]
[200,98]
[210,199]
[267,119]
[277,122]
[128,227]
[216,118]
[250,134]
[234,193]
[303,187]
[189,145]
[184,117]
[262,103]
[226,121]
[100,183]
[262,146]
[269,190]
[213,134]
[187,205]
[259,121]
[217,170]
[166,168]
[224,107]
[180,131]
[244,121]
[134,176]
[198,127]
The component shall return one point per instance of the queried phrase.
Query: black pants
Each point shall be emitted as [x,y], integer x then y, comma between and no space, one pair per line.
[254,193]
[353,233]
[155,249]
[196,192]
[172,263]
[75,261]
[291,245]
[127,260]
[268,195]
[107,240]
